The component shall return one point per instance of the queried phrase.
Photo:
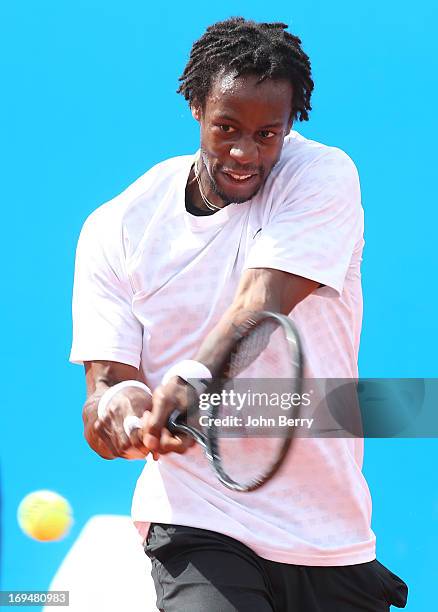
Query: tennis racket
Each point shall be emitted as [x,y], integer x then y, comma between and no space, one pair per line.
[246,441]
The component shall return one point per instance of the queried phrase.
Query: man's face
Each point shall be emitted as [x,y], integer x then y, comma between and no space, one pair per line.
[243,125]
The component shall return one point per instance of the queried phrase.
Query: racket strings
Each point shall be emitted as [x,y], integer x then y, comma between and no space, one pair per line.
[249,348]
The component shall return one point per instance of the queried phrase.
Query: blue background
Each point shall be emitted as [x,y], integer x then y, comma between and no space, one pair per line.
[88,105]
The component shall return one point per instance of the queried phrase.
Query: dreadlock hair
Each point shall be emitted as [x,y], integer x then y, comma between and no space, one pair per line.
[247,47]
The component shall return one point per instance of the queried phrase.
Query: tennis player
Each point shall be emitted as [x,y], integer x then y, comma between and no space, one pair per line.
[260,218]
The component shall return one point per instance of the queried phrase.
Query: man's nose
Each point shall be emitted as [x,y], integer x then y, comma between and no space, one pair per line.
[245,151]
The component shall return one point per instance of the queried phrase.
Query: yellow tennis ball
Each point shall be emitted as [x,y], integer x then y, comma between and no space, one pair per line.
[44,515]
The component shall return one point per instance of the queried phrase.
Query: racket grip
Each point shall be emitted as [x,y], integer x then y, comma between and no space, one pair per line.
[172,421]
[176,424]
[130,423]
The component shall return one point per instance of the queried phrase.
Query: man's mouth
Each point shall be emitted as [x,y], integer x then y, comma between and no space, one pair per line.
[239,178]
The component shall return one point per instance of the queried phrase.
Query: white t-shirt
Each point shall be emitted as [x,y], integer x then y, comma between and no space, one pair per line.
[152,280]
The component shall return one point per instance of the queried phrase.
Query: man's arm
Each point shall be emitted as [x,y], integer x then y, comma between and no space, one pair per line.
[259,289]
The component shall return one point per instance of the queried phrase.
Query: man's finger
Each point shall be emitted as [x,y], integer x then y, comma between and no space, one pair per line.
[162,406]
[137,449]
[114,434]
[138,434]
[133,427]
[174,443]
[161,409]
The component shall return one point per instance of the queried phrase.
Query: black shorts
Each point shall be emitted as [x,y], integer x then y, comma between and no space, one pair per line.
[196,570]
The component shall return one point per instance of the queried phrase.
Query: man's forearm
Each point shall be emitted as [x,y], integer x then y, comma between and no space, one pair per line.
[260,289]
[89,417]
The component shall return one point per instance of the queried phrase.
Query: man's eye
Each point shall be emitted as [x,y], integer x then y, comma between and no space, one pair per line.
[267,134]
[227,129]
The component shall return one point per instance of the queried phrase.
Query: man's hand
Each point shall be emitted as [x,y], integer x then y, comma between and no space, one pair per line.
[129,401]
[107,435]
[174,395]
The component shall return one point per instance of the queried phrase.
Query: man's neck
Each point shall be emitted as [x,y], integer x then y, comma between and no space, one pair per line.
[195,202]
[196,210]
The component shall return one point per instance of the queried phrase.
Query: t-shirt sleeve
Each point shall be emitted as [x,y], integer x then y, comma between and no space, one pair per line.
[104,326]
[315,224]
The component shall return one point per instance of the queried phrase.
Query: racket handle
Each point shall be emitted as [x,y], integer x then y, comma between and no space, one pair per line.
[130,423]
[172,421]
[176,425]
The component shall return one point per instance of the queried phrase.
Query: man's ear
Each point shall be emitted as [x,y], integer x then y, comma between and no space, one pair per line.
[196,111]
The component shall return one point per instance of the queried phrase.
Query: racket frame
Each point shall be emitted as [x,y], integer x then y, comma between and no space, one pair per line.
[209,442]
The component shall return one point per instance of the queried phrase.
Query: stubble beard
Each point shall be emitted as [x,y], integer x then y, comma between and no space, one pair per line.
[215,188]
